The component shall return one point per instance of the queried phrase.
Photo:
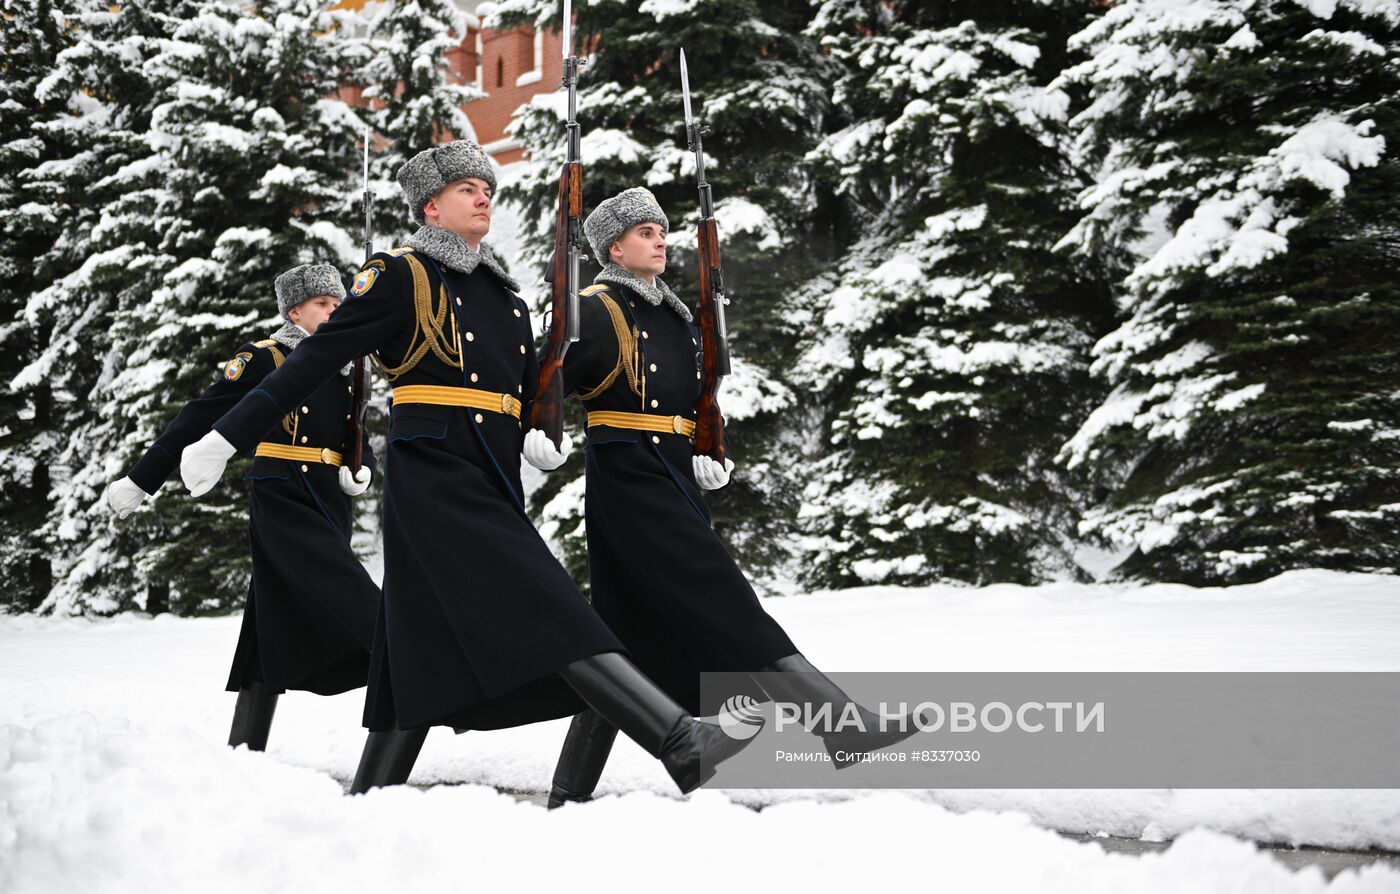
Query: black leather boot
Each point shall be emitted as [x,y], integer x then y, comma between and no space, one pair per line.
[388,758]
[252,717]
[688,748]
[794,679]
[581,762]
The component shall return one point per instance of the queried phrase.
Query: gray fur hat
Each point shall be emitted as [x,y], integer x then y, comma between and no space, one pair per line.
[612,218]
[307,281]
[430,171]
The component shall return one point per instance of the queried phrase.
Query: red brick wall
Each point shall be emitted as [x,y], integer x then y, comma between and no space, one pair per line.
[506,56]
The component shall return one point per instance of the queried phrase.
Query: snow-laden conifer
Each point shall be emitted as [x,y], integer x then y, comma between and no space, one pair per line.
[238,158]
[949,344]
[412,100]
[1247,153]
[95,194]
[32,34]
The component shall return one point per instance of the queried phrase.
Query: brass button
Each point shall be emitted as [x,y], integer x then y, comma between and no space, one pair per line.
[304,468]
[479,418]
[303,439]
[326,455]
[507,404]
[306,409]
[475,377]
[654,404]
[656,439]
[517,311]
[653,367]
[678,424]
[471,337]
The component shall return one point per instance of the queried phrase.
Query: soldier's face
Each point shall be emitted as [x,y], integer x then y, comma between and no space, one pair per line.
[464,208]
[312,312]
[641,249]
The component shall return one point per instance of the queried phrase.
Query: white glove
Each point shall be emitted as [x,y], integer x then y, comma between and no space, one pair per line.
[709,474]
[202,463]
[354,484]
[541,453]
[123,496]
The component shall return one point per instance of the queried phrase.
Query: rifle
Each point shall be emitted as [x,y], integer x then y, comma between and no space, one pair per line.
[359,393]
[547,414]
[714,337]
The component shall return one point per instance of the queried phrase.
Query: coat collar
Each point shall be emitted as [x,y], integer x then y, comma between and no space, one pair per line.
[658,294]
[291,335]
[451,250]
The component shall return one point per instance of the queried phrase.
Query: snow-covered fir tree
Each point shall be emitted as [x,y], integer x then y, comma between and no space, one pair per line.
[762,88]
[31,37]
[247,160]
[413,101]
[1248,151]
[90,197]
[950,344]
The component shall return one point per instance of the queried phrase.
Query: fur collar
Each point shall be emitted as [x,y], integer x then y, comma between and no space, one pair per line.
[449,249]
[291,335]
[658,294]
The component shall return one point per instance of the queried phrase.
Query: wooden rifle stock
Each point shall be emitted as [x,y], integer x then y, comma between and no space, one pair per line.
[547,414]
[709,423]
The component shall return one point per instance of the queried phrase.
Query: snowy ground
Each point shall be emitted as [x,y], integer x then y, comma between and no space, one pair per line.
[113,775]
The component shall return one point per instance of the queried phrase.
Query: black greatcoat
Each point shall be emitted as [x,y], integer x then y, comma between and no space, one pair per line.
[309,620]
[477,615]
[660,576]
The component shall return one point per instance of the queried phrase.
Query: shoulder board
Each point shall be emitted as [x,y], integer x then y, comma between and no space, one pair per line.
[399,252]
[272,347]
[594,289]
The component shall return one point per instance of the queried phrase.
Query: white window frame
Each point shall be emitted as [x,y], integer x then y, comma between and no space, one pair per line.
[480,62]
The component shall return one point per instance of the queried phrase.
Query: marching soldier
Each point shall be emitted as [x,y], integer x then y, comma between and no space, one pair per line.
[660,576]
[480,627]
[309,619]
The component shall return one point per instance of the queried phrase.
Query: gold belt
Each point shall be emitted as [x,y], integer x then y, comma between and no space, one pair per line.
[300,454]
[450,396]
[677,425]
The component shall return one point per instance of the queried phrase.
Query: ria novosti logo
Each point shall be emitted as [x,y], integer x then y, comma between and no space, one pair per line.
[741,717]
